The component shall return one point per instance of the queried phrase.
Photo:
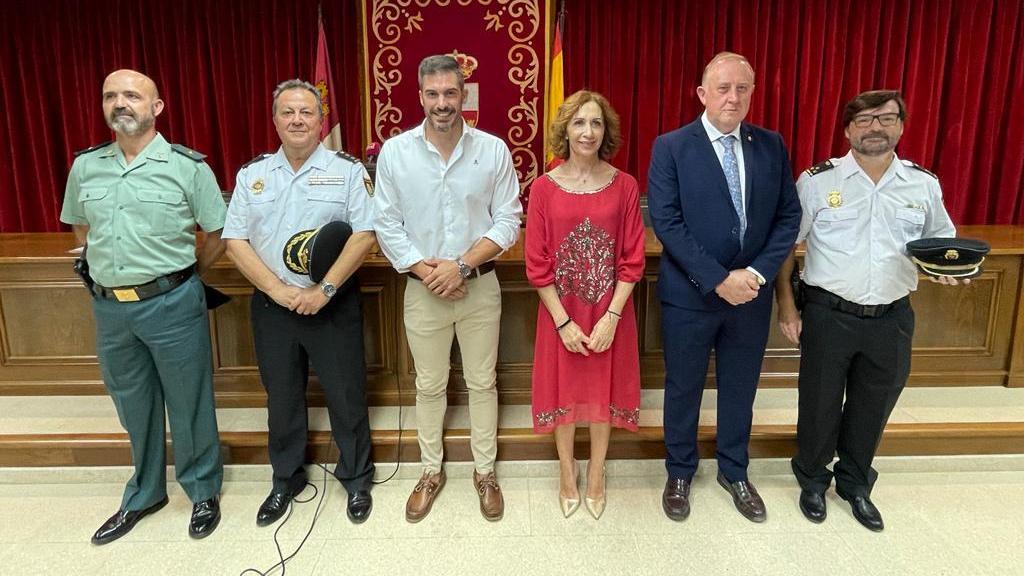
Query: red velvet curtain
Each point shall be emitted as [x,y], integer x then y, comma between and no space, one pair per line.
[215,62]
[958,63]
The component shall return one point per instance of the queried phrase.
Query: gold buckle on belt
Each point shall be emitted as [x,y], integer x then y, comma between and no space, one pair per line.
[125,295]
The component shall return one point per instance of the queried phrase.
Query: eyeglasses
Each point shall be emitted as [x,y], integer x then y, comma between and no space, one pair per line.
[865,120]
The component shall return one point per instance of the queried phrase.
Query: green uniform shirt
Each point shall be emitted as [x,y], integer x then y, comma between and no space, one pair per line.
[141,217]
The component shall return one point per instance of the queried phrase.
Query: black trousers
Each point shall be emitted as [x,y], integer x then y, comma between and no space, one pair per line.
[332,340]
[868,361]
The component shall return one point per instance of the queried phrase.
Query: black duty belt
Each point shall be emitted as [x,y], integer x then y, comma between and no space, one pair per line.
[475,273]
[822,296]
[161,285]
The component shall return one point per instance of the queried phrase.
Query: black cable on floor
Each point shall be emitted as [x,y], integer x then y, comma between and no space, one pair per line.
[282,560]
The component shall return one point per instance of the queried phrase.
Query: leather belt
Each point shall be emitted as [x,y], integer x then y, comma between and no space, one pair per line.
[822,296]
[475,273]
[161,285]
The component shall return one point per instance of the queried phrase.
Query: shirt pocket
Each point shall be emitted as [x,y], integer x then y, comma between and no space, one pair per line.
[909,224]
[836,228]
[94,205]
[329,202]
[160,209]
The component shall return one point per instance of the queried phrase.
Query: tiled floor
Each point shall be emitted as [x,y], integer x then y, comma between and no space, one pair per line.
[955,516]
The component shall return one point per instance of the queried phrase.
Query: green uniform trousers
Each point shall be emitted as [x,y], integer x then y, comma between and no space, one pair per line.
[156,353]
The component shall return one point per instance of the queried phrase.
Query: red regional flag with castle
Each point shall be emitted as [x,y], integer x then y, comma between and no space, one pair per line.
[330,130]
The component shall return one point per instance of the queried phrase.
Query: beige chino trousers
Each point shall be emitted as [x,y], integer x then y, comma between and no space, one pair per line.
[430,324]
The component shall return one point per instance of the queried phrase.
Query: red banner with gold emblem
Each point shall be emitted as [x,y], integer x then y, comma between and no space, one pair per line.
[501,46]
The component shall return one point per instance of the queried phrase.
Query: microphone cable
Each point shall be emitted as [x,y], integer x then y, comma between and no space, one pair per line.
[282,560]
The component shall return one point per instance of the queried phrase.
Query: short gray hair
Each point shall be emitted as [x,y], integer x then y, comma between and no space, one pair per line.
[296,84]
[438,64]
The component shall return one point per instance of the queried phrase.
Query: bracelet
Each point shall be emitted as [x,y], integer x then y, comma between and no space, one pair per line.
[616,314]
[563,325]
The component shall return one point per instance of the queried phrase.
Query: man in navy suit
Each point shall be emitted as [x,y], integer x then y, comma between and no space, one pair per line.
[725,208]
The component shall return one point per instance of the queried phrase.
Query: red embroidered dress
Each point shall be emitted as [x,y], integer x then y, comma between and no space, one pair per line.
[583,243]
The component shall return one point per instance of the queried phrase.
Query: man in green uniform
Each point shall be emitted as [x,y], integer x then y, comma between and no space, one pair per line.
[135,204]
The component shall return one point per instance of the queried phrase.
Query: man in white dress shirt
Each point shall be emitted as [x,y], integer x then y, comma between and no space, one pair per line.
[447,203]
[296,320]
[859,211]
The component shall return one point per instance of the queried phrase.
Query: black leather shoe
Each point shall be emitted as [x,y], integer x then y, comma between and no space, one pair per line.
[205,517]
[273,507]
[745,498]
[675,499]
[866,513]
[812,504]
[122,523]
[360,503]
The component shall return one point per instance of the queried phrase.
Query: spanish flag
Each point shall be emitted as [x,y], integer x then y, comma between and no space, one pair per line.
[556,85]
[330,130]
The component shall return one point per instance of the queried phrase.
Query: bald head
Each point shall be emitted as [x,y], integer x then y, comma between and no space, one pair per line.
[140,80]
[722,58]
[131,103]
[725,90]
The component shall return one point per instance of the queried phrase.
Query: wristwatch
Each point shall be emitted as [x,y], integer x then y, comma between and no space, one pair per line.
[464,269]
[328,289]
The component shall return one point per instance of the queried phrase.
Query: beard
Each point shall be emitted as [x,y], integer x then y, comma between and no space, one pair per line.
[443,125]
[874,148]
[124,121]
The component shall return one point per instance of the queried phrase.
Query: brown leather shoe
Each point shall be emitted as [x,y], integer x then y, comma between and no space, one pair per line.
[746,498]
[675,499]
[492,505]
[423,495]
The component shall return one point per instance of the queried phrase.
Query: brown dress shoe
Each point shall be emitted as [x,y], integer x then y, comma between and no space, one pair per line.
[675,499]
[423,495]
[492,505]
[746,498]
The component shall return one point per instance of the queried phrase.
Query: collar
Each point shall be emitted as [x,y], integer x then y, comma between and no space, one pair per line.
[158,149]
[319,159]
[420,131]
[715,133]
[848,166]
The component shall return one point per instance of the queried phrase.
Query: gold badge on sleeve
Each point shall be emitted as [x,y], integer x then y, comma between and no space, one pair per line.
[835,199]
[257,187]
[369,186]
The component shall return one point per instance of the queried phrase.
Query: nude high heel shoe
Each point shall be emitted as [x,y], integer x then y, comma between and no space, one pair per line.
[596,505]
[570,505]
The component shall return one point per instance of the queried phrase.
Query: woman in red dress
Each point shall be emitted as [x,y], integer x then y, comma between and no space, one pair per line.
[584,253]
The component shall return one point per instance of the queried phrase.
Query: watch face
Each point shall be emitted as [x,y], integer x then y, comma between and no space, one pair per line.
[328,289]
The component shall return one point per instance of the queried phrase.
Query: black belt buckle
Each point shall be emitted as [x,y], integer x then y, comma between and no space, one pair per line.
[872,311]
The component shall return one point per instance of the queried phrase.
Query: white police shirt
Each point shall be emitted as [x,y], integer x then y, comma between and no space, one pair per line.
[428,208]
[857,231]
[271,203]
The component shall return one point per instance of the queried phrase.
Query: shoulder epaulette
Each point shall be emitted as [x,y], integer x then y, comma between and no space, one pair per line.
[190,153]
[94,148]
[347,156]
[917,166]
[259,158]
[820,167]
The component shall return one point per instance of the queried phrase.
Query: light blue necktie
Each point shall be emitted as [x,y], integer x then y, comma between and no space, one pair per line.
[732,178]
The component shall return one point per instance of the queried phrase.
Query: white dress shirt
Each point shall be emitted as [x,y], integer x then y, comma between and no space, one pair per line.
[716,141]
[428,208]
[857,230]
[271,203]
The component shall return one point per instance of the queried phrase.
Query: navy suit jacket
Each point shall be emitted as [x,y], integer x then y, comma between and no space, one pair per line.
[695,221]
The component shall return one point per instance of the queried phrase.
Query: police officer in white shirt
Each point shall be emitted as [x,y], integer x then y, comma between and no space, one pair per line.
[859,211]
[447,203]
[295,321]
